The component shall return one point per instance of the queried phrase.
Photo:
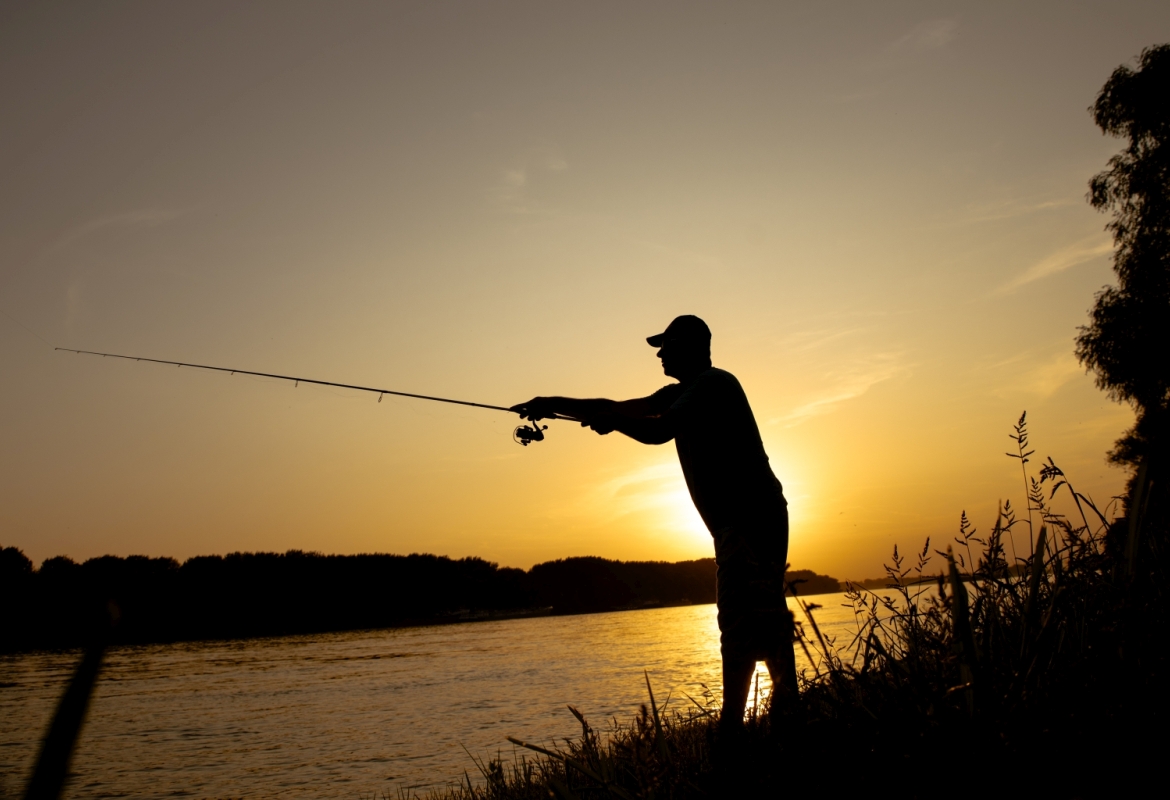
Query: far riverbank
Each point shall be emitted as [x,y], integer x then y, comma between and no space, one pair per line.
[246,595]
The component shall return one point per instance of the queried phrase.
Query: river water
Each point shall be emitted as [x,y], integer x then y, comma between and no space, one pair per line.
[358,714]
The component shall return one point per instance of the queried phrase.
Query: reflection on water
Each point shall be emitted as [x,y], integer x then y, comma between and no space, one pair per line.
[358,713]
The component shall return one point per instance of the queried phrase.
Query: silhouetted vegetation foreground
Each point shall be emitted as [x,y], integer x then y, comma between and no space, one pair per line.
[1033,662]
[264,594]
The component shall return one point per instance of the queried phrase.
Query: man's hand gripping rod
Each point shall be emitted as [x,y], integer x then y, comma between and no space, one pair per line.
[522,435]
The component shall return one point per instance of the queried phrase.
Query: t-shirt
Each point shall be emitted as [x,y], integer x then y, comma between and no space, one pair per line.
[719,448]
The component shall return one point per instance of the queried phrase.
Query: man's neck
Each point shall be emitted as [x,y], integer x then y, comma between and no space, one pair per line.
[692,372]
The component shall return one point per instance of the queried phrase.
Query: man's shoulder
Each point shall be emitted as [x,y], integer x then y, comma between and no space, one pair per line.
[665,397]
[716,374]
[717,388]
[711,385]
[715,377]
[705,387]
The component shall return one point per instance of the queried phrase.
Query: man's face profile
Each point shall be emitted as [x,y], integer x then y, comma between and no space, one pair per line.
[684,347]
[677,356]
[665,355]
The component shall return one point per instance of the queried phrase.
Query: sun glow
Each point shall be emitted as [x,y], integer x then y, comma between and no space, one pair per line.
[656,494]
[653,497]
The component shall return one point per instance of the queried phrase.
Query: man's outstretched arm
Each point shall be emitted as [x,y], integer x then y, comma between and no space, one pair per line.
[583,409]
[635,418]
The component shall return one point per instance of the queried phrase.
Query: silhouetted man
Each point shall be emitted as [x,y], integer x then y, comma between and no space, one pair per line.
[723,460]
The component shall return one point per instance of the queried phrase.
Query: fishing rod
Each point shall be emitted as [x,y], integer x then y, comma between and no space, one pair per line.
[522,435]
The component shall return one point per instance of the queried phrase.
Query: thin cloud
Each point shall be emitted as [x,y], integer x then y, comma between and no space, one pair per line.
[1039,372]
[844,385]
[1010,209]
[1061,260]
[512,190]
[649,487]
[924,36]
[139,218]
[804,341]
[654,491]
[146,217]
[1045,378]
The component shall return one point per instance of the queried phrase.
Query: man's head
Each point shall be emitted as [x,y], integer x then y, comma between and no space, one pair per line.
[684,347]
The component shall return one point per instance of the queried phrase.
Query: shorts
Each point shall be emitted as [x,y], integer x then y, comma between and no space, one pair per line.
[754,620]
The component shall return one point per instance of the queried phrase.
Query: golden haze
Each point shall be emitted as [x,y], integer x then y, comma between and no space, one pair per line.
[879,212]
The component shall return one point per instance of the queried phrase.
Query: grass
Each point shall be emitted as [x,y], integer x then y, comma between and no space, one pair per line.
[1031,664]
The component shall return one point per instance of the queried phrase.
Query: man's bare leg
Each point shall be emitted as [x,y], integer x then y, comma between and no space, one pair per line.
[737,682]
[782,668]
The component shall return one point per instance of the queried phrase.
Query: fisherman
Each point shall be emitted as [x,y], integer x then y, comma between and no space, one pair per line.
[739,498]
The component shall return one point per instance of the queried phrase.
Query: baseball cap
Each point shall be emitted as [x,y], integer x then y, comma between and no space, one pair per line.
[687,328]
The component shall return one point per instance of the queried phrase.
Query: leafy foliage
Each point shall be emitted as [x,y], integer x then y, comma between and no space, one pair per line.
[1128,335]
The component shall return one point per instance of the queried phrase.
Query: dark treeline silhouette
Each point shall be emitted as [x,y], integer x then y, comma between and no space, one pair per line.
[1129,324]
[270,594]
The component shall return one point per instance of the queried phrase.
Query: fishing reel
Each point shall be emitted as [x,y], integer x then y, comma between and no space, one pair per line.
[529,433]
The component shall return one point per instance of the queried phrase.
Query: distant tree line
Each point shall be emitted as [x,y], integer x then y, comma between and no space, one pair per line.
[272,594]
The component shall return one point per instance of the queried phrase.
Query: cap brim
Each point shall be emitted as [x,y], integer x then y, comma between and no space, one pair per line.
[656,340]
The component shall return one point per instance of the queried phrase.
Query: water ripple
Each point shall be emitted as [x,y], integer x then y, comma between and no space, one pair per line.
[354,714]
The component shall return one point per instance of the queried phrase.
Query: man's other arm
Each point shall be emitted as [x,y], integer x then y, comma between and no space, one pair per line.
[647,430]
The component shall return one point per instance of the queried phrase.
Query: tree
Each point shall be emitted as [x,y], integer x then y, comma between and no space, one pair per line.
[1127,341]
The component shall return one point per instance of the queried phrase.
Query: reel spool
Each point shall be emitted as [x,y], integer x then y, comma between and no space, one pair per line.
[529,433]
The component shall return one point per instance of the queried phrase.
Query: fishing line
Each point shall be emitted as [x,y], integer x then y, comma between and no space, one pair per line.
[523,434]
[26,328]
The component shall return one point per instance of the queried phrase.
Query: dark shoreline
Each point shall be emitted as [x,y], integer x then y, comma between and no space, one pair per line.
[251,595]
[429,623]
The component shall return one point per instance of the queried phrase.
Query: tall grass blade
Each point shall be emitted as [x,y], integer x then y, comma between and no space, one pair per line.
[659,739]
[964,641]
[1036,574]
[580,718]
[704,711]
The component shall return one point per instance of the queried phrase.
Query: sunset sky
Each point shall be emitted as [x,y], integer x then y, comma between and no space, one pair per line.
[877,207]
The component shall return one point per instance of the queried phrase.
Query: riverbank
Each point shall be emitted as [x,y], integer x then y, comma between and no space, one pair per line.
[1039,676]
